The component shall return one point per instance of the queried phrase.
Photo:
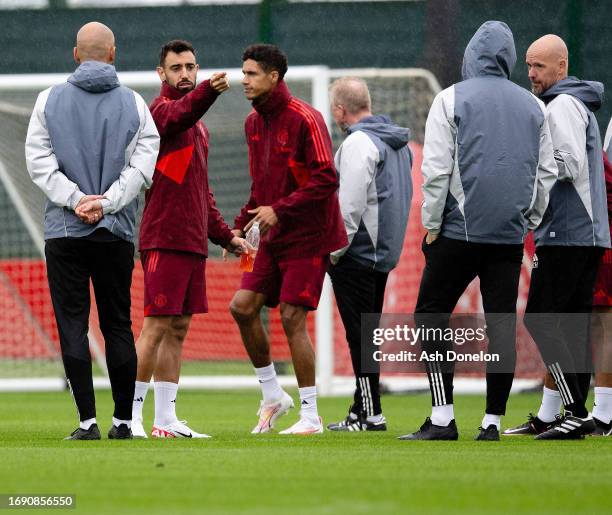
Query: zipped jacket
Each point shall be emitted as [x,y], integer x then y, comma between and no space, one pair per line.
[292,170]
[180,211]
[91,136]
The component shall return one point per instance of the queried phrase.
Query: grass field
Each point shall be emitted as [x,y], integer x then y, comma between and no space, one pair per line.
[357,473]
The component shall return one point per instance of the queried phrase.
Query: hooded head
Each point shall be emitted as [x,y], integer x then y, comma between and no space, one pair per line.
[490,52]
[590,93]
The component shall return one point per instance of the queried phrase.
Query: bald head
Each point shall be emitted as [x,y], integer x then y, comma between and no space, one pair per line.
[95,42]
[547,62]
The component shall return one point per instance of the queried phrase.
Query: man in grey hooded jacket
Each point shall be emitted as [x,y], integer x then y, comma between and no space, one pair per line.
[374,164]
[569,244]
[91,146]
[487,169]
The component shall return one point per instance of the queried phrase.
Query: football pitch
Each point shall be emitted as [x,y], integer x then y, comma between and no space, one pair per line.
[357,473]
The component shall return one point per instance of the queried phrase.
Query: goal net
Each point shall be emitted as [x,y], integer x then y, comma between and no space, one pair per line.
[213,354]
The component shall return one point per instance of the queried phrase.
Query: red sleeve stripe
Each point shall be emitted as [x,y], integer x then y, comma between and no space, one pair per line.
[321,152]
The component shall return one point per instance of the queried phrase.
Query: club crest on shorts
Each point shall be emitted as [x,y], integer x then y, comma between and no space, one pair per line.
[160,300]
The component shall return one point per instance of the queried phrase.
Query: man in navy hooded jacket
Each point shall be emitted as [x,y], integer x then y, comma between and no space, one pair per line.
[487,169]
[569,243]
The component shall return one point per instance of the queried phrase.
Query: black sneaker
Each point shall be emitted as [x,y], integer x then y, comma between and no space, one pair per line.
[93,433]
[533,426]
[120,432]
[358,424]
[601,428]
[430,431]
[490,434]
[351,420]
[569,428]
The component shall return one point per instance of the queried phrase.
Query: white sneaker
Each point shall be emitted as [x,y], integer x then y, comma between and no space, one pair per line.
[269,413]
[304,426]
[138,429]
[177,429]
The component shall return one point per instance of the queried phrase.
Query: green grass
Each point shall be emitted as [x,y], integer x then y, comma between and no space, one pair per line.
[357,473]
[18,368]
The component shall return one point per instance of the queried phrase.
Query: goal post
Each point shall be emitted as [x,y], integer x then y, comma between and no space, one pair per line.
[213,353]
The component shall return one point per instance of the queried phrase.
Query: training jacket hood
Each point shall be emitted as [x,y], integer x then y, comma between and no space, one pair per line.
[383,127]
[589,92]
[95,77]
[491,51]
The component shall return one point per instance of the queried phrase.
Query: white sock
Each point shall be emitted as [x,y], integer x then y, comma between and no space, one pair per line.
[165,402]
[117,422]
[86,424]
[271,390]
[602,408]
[308,403]
[551,405]
[375,419]
[442,415]
[487,420]
[140,394]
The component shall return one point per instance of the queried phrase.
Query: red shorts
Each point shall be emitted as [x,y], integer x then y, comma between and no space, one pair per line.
[174,282]
[293,281]
[603,284]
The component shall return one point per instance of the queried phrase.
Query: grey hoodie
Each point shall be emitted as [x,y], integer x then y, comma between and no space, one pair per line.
[487,159]
[374,164]
[577,214]
[91,136]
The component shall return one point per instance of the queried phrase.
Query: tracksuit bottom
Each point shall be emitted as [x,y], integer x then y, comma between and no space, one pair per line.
[71,263]
[558,317]
[450,266]
[360,290]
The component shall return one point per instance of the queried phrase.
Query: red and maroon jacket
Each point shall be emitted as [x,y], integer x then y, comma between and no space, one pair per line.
[180,211]
[292,170]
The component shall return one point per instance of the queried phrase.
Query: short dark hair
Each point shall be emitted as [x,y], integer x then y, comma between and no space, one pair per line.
[177,46]
[269,57]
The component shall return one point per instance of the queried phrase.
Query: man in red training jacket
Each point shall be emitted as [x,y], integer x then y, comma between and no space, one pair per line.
[294,200]
[180,216]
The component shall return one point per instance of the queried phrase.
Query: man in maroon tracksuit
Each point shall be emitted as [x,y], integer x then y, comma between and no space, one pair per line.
[179,217]
[294,201]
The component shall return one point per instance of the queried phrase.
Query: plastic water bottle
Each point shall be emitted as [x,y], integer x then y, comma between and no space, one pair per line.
[252,237]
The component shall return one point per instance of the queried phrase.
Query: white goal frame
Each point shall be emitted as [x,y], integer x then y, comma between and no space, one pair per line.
[320,77]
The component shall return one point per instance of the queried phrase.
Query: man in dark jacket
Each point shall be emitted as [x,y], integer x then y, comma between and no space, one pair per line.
[179,218]
[374,164]
[91,147]
[294,201]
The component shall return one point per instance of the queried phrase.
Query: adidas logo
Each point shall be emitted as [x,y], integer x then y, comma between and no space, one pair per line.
[140,399]
[304,402]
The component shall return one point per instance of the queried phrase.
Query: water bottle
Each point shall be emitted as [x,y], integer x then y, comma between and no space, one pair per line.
[252,237]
